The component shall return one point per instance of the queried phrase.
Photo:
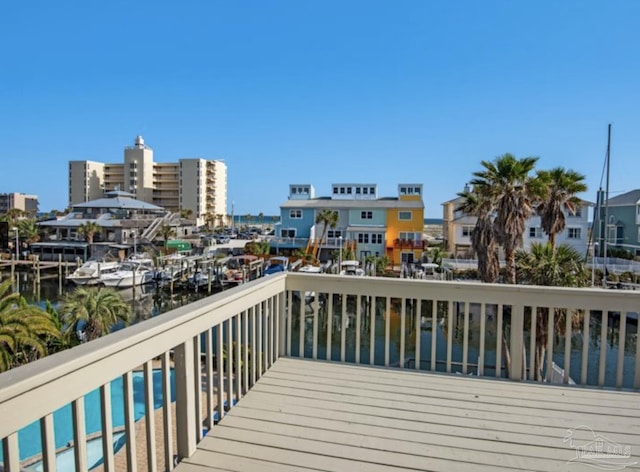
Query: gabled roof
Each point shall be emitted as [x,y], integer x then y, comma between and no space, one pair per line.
[629,198]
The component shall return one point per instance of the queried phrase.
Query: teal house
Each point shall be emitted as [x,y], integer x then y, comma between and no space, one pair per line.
[619,222]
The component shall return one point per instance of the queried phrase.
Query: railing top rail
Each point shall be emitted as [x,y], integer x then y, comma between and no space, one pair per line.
[93,364]
[475,292]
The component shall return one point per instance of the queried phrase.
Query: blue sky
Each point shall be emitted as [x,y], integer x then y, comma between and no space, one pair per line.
[319,92]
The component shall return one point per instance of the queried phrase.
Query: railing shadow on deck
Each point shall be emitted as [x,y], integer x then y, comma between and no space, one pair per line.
[220,346]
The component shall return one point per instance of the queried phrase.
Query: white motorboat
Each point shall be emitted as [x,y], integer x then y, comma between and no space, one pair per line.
[91,272]
[128,274]
[351,268]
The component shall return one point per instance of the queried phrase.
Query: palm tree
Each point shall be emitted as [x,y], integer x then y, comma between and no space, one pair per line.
[562,187]
[220,218]
[25,330]
[166,232]
[483,237]
[88,230]
[508,183]
[557,267]
[93,311]
[186,213]
[329,219]
[261,219]
[29,231]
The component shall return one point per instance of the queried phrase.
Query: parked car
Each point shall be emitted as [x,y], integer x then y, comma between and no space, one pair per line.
[221,239]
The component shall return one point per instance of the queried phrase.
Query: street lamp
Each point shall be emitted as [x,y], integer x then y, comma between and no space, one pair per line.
[17,242]
[340,254]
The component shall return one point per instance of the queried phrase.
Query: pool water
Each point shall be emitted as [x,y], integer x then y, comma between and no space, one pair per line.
[29,440]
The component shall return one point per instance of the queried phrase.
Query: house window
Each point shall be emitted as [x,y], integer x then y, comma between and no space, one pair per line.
[404,215]
[335,190]
[376,238]
[334,233]
[403,190]
[573,233]
[535,232]
[611,234]
[363,238]
[417,190]
[295,214]
[578,212]
[342,190]
[349,190]
[288,232]
[466,231]
[371,191]
[366,215]
[358,190]
[365,190]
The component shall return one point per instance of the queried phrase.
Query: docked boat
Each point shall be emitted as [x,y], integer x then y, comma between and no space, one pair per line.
[137,270]
[351,268]
[276,264]
[91,272]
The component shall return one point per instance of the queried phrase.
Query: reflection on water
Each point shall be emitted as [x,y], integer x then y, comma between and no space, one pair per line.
[150,301]
[147,300]
[421,322]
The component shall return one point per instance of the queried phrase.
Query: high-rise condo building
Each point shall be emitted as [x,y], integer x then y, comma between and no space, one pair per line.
[195,184]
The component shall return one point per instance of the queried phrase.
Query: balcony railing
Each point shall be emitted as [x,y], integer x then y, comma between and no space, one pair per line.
[218,347]
[408,244]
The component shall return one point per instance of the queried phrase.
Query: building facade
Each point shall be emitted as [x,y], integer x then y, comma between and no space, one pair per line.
[20,201]
[457,228]
[195,184]
[619,221]
[367,224]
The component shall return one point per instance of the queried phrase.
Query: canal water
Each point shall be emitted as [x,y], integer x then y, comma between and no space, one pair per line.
[151,301]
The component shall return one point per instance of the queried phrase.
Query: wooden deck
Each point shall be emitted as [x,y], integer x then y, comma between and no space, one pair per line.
[309,415]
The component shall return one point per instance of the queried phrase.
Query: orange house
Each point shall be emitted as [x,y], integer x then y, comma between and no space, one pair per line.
[405,225]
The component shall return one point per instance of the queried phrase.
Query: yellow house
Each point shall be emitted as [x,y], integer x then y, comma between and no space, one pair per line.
[405,225]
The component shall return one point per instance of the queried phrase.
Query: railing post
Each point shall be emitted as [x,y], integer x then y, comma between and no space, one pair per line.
[185,402]
[516,342]
[281,320]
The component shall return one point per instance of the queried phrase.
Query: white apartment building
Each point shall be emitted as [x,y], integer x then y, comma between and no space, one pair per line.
[457,227]
[195,184]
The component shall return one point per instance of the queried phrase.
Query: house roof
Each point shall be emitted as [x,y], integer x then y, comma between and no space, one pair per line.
[386,203]
[628,198]
[120,201]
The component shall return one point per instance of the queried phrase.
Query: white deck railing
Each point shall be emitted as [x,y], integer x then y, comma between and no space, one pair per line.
[426,325]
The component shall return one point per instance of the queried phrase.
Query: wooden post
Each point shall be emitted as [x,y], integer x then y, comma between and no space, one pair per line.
[38,270]
[185,402]
[516,342]
[59,274]
[209,277]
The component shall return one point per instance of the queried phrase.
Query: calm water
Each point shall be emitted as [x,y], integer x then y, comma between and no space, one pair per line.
[151,301]
[422,323]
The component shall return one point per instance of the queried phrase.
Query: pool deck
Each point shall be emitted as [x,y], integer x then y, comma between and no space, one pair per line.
[310,415]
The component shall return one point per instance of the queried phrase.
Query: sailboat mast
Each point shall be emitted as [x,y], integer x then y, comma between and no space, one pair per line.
[606,207]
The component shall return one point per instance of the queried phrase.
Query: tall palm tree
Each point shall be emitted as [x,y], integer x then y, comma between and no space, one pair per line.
[94,311]
[329,219]
[483,237]
[25,330]
[29,231]
[546,265]
[186,213]
[220,218]
[562,187]
[261,219]
[508,183]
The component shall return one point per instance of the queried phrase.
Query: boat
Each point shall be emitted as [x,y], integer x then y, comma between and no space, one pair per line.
[351,267]
[242,268]
[137,270]
[309,296]
[91,272]
[276,264]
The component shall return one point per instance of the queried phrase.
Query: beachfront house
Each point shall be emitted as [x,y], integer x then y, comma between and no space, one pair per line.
[457,228]
[621,217]
[368,225]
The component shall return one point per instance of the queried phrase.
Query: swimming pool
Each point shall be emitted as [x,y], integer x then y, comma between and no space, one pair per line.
[29,439]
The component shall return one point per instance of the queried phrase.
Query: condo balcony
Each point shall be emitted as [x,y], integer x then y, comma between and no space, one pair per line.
[312,371]
[408,244]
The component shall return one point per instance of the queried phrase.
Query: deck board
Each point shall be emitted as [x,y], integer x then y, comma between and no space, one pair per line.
[318,416]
